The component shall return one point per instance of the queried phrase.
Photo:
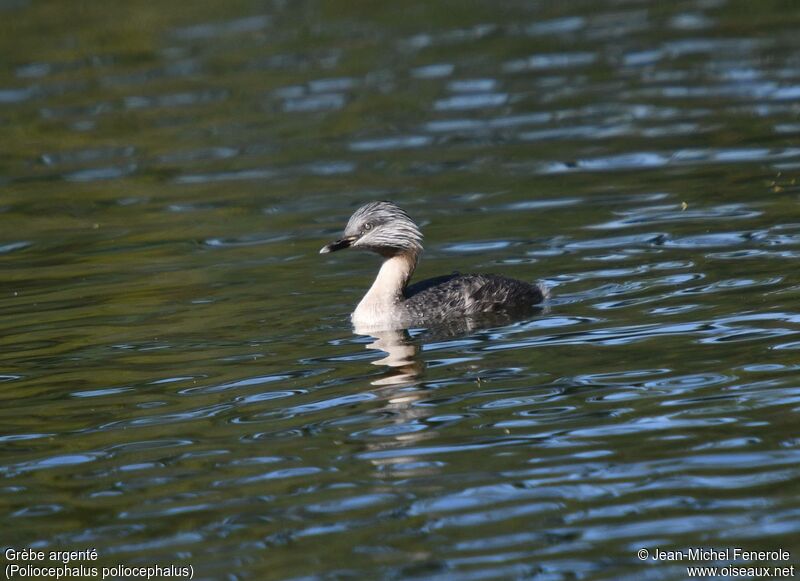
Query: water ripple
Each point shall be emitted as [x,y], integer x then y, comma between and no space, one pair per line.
[389,143]
[176,354]
[541,62]
[211,30]
[471,101]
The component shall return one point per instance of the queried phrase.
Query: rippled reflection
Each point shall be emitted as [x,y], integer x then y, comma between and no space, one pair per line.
[402,356]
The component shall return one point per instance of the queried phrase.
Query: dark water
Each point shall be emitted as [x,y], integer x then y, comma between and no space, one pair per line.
[180,382]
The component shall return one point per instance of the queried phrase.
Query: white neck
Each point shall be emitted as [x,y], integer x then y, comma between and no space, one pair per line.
[387,290]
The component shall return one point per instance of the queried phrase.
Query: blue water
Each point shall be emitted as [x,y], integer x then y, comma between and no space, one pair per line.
[180,381]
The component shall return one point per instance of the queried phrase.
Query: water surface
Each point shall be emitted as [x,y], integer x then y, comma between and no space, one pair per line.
[180,382]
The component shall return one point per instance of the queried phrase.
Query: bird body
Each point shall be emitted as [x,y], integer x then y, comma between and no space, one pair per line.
[390,303]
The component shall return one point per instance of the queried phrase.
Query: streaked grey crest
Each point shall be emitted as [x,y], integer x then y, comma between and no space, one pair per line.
[381,227]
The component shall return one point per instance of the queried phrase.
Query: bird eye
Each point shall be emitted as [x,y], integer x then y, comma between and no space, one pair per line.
[367,226]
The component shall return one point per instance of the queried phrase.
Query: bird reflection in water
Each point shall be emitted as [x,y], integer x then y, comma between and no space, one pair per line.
[402,359]
[403,362]
[404,423]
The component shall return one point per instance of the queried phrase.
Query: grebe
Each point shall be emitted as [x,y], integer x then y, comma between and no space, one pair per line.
[386,229]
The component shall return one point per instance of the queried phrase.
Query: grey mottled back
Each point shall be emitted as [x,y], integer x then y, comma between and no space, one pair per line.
[459,295]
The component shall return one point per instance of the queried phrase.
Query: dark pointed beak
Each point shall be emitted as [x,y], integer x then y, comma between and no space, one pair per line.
[338,245]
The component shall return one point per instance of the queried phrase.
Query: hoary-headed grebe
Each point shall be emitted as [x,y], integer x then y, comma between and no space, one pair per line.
[384,228]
